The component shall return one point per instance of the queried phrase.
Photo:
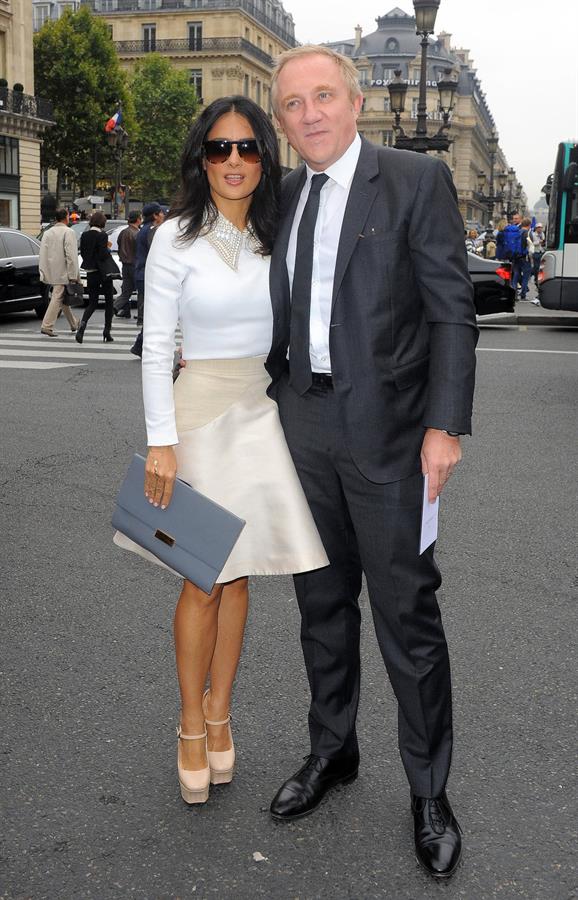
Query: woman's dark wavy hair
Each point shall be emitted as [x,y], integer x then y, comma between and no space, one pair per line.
[194,205]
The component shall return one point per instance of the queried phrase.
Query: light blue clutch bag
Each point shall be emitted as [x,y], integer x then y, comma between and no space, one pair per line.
[193,535]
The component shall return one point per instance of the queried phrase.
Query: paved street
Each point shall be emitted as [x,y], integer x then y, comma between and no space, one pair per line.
[89,708]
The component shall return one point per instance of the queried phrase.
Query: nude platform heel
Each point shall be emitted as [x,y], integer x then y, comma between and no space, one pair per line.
[221,762]
[194,784]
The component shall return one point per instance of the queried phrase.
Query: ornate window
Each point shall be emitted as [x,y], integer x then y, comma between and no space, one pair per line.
[196,79]
[195,35]
[149,37]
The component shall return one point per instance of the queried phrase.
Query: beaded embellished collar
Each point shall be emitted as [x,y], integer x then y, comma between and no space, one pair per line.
[228,241]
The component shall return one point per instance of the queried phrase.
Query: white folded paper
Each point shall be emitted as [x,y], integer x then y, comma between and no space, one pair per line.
[429,518]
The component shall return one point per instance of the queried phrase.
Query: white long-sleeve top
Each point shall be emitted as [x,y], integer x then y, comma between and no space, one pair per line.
[223,313]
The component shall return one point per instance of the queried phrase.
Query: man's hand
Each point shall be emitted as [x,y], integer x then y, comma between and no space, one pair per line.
[440,454]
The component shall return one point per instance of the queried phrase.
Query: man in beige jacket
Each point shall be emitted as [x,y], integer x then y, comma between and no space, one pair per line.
[58,266]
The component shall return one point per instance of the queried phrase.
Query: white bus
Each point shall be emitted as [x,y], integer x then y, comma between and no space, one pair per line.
[558,276]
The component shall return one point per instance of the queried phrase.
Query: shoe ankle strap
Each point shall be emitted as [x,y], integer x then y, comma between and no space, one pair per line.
[209,721]
[190,737]
[222,722]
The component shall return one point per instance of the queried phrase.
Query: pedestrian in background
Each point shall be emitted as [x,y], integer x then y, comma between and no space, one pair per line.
[127,255]
[154,215]
[98,265]
[538,242]
[500,238]
[472,241]
[58,264]
[523,260]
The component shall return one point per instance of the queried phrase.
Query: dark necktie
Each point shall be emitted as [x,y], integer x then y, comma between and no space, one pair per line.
[299,359]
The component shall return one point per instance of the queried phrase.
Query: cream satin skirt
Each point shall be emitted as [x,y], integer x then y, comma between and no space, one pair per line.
[232,449]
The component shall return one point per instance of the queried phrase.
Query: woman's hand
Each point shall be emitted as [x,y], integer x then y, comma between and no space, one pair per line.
[160,474]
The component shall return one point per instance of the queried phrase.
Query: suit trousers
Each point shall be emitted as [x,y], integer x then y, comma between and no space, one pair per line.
[54,307]
[128,286]
[375,529]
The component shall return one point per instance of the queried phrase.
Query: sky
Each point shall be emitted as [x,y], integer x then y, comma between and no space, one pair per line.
[525,54]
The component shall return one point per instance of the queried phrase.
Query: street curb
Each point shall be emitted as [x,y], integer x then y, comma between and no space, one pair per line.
[555,321]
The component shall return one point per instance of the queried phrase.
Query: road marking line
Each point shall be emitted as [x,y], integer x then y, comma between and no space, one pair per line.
[67,342]
[519,350]
[29,364]
[76,354]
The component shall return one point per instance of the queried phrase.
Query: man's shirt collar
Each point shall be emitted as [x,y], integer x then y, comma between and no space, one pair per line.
[343,170]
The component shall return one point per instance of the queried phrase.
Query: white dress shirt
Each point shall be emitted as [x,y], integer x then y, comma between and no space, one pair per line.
[332,203]
[223,313]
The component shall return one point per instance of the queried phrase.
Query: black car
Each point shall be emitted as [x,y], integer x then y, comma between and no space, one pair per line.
[20,285]
[492,291]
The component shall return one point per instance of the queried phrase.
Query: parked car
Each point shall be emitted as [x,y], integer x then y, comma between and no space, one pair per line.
[492,290]
[111,225]
[20,285]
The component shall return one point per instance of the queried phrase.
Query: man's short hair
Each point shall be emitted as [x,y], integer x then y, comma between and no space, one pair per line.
[526,222]
[345,66]
[60,214]
[97,219]
[134,215]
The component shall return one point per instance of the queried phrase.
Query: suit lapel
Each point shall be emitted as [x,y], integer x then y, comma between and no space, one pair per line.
[361,197]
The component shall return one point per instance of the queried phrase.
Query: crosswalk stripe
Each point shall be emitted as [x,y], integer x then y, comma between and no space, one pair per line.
[67,336]
[76,354]
[68,343]
[32,364]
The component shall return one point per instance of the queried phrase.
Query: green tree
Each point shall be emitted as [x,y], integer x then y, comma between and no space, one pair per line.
[165,106]
[77,68]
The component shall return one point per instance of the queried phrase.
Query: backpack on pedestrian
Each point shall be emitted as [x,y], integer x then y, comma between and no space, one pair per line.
[514,242]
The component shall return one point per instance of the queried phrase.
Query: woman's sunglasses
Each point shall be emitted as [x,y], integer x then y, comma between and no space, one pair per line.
[220,151]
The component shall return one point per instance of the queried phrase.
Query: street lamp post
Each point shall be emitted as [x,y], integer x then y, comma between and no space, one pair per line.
[511,183]
[421,141]
[492,197]
[492,143]
[502,182]
[118,141]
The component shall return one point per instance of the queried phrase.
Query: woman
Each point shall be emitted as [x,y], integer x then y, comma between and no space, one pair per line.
[471,241]
[208,268]
[500,246]
[95,255]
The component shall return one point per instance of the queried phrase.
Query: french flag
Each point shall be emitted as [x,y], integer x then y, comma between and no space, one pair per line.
[113,121]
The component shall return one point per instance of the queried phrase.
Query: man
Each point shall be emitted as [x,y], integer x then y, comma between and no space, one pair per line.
[372,363]
[58,264]
[153,214]
[522,267]
[127,253]
[539,242]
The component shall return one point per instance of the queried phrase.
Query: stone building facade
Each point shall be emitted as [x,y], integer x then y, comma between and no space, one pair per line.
[395,45]
[226,46]
[23,120]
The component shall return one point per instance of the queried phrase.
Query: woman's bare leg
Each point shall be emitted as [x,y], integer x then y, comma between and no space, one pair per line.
[231,629]
[195,629]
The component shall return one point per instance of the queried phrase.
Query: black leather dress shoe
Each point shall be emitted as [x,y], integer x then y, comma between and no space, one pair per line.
[303,793]
[438,841]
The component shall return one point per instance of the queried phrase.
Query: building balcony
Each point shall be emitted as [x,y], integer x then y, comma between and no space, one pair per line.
[116,7]
[25,105]
[178,46]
